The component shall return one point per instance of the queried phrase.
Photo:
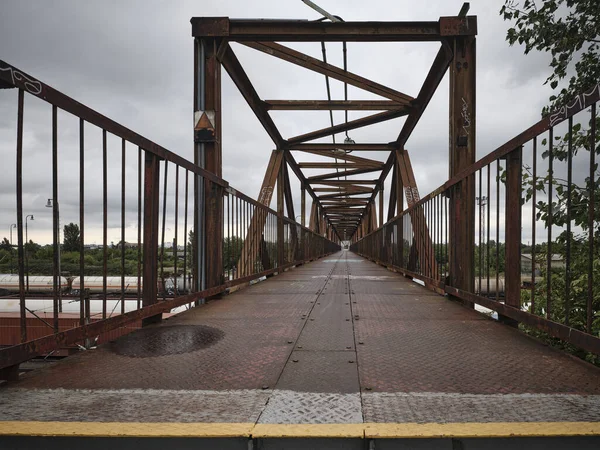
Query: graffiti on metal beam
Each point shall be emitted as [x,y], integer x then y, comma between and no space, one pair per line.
[31,85]
[412,195]
[465,116]
[580,102]
[265,195]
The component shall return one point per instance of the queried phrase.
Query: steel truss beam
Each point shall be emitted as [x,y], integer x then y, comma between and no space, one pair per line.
[308,62]
[243,83]
[326,105]
[261,35]
[241,30]
[324,148]
[347,126]
[327,176]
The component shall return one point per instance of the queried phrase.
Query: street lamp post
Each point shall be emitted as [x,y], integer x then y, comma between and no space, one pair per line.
[26,252]
[12,225]
[50,204]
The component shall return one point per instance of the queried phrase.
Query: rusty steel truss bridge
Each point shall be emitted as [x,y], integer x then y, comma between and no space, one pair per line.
[411,324]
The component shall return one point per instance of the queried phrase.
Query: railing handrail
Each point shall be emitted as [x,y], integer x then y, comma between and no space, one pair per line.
[578,104]
[16,78]
[13,77]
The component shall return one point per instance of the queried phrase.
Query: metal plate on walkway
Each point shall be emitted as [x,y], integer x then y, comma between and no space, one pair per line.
[464,356]
[320,371]
[411,307]
[419,358]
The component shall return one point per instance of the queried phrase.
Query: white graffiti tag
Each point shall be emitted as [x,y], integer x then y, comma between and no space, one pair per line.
[31,85]
[465,116]
[265,195]
[580,102]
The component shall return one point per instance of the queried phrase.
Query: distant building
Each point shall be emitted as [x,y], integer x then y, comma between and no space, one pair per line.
[557,262]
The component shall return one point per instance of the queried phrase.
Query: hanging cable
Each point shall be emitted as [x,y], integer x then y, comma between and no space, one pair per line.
[348,140]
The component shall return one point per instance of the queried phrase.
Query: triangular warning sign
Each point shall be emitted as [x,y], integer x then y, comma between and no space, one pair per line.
[204,120]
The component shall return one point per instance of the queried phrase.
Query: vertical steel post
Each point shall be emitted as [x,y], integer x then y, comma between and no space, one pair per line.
[381,222]
[280,224]
[199,160]
[209,223]
[399,209]
[512,220]
[151,213]
[55,223]
[462,155]
[20,244]
[303,205]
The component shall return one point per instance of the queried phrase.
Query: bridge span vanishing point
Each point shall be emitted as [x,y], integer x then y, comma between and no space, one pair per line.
[407,325]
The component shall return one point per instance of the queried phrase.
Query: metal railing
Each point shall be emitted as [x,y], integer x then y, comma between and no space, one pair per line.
[536,215]
[144,196]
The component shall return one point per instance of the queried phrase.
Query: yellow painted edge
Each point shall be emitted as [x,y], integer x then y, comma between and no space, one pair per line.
[306,430]
[246,430]
[481,430]
[127,429]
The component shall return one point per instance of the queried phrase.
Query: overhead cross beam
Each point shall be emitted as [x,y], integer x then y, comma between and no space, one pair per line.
[324,148]
[345,173]
[350,125]
[308,62]
[333,165]
[242,30]
[346,157]
[326,105]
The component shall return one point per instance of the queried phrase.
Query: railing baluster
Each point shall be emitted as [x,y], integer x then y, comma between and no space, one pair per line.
[591,216]
[104,222]
[568,243]
[175,243]
[84,312]
[549,225]
[185,233]
[533,225]
[162,239]
[21,248]
[123,226]
[55,218]
[139,231]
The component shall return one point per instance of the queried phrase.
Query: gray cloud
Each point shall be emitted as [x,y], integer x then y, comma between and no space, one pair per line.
[132,61]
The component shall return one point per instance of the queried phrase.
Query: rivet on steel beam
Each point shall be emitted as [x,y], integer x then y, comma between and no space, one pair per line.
[351,361]
[290,342]
[348,347]
[361,342]
[294,360]
[299,346]
[368,389]
[347,320]
[265,387]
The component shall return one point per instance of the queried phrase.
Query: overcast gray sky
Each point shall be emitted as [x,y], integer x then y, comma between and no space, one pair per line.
[133,61]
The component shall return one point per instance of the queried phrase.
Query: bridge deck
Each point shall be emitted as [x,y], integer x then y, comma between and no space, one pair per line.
[338,341]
